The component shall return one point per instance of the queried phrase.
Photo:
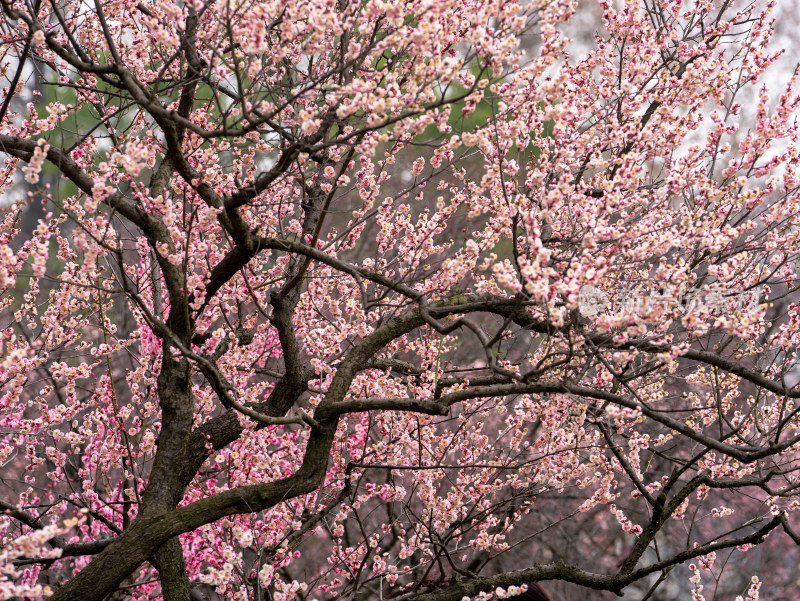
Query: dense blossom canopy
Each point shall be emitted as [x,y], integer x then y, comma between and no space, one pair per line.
[411,299]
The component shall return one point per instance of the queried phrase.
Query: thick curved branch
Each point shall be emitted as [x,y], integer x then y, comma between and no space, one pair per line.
[567,573]
[148,533]
[23,149]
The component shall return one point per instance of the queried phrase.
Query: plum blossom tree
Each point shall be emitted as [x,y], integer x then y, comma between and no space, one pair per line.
[370,299]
